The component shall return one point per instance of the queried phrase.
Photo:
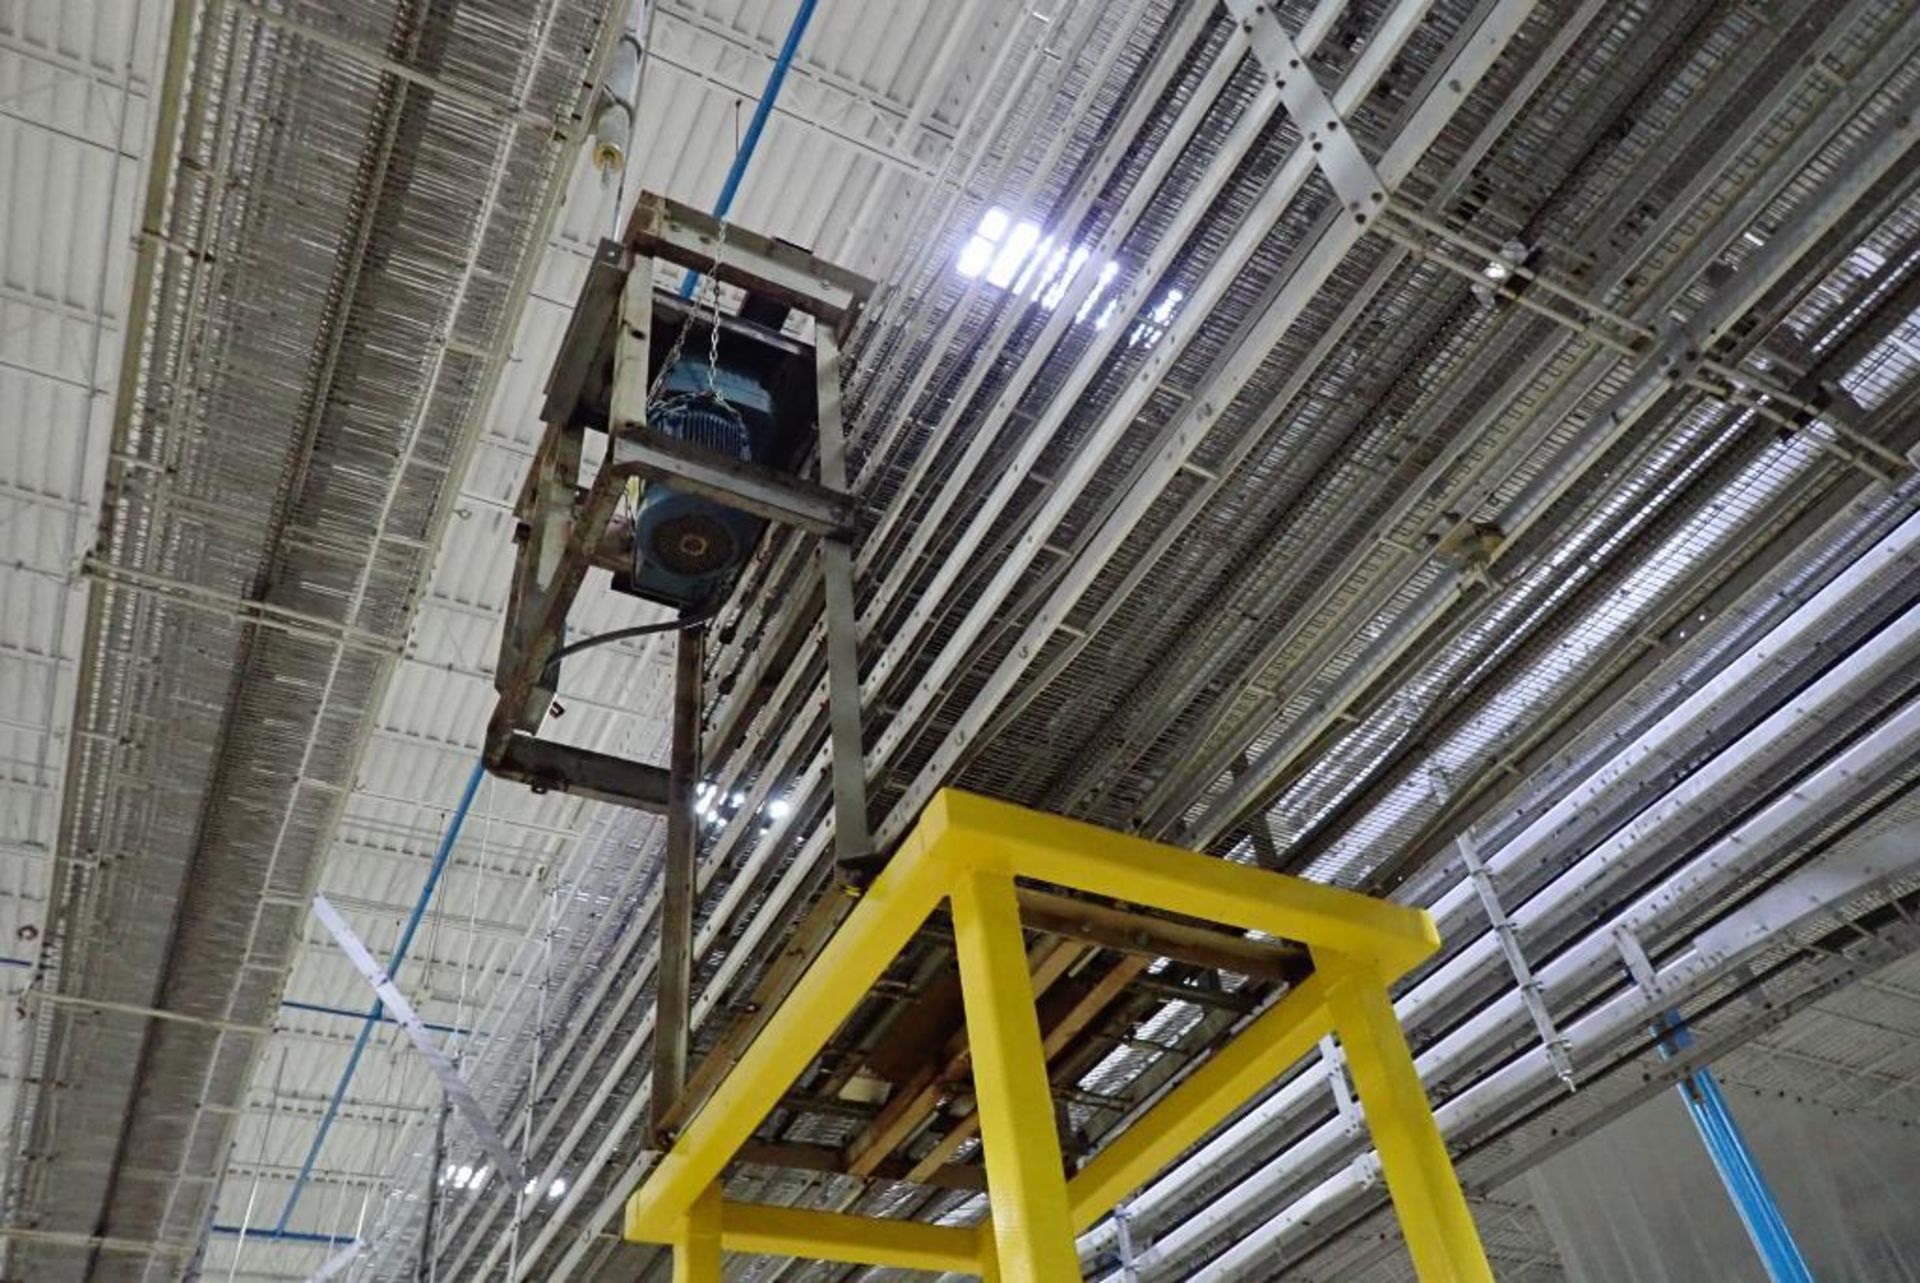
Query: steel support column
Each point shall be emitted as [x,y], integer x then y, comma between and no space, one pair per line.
[851,841]
[696,1245]
[1426,1196]
[672,1000]
[1026,1177]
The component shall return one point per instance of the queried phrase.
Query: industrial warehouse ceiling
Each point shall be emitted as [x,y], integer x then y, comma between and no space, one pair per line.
[1195,507]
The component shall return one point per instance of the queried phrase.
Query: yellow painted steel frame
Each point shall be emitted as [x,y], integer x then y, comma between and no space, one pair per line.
[969,850]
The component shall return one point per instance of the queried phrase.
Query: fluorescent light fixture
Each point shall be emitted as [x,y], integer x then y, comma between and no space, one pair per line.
[1014,249]
[1062,279]
[1107,272]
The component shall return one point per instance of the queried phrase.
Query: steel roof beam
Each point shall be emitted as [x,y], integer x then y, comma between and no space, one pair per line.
[1212,761]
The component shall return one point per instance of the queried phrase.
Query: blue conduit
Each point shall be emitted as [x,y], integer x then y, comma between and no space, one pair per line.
[322,1009]
[728,190]
[285,1236]
[1752,1197]
[374,1014]
[751,139]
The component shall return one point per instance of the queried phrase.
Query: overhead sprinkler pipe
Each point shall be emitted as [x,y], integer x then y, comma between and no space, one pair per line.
[377,1012]
[283,1236]
[1727,1146]
[751,140]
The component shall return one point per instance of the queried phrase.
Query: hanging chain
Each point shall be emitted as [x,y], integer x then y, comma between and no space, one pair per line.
[656,405]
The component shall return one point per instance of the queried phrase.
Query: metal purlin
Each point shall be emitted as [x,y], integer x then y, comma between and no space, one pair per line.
[377,1012]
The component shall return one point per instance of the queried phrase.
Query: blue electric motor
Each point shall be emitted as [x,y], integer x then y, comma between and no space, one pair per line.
[686,546]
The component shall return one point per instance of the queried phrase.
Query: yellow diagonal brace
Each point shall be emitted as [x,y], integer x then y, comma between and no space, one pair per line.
[855,1240]
[1256,1056]
[1003,837]
[1426,1194]
[696,1242]
[1026,1179]
[891,910]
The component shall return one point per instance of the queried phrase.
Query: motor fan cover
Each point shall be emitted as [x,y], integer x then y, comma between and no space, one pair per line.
[687,546]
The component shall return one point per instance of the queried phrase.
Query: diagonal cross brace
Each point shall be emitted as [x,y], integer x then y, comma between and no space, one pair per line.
[1335,150]
[459,1095]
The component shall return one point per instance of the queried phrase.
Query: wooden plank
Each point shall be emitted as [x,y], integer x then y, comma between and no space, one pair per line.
[1053,1041]
[914,1102]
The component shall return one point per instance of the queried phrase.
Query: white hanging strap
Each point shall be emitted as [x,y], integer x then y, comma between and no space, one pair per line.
[1334,1061]
[1509,940]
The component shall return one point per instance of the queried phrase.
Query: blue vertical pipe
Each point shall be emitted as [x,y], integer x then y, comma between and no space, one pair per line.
[375,1013]
[728,190]
[763,109]
[1748,1189]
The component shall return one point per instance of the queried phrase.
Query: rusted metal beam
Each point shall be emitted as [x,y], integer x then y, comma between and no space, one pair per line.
[759,264]
[779,978]
[563,768]
[672,990]
[1150,936]
[737,483]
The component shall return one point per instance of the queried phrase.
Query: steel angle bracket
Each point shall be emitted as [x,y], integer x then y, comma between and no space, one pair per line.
[1531,991]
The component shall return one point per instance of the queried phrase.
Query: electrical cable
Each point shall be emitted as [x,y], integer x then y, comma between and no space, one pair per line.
[623,634]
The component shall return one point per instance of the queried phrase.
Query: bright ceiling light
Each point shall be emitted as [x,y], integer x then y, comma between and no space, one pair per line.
[978,252]
[1019,243]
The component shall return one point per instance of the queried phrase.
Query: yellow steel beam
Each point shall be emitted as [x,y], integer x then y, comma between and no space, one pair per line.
[1026,1178]
[696,1240]
[971,849]
[1426,1194]
[853,1240]
[1230,1077]
[989,1252]
[1010,838]
[888,914]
